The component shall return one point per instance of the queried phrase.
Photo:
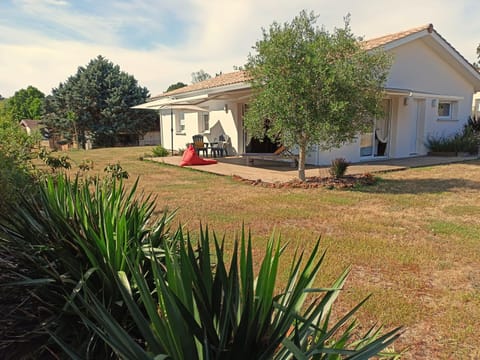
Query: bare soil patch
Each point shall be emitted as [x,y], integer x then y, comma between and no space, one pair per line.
[313,182]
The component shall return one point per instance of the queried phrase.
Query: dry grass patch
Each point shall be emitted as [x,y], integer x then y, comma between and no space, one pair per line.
[412,239]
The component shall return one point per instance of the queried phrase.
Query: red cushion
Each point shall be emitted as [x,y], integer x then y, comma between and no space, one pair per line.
[190,157]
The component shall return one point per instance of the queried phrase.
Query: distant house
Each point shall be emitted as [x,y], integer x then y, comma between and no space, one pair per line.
[429,91]
[30,125]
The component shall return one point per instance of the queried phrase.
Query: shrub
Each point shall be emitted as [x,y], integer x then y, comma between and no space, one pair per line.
[160,151]
[223,311]
[55,241]
[85,165]
[474,124]
[54,162]
[115,171]
[465,141]
[15,162]
[338,167]
[15,179]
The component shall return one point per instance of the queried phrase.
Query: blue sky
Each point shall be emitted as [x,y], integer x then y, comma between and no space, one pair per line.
[161,42]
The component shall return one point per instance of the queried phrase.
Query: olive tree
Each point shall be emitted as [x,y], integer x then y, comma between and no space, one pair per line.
[313,87]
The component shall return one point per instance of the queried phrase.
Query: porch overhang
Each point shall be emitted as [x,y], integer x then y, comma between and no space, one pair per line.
[166,103]
[420,94]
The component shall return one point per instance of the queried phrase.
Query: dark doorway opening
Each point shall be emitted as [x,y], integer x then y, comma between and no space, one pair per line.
[266,145]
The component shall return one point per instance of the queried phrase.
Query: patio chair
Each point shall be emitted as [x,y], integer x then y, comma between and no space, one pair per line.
[219,148]
[223,141]
[199,144]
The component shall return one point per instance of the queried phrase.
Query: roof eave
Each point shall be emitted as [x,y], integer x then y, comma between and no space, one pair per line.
[399,42]
[209,91]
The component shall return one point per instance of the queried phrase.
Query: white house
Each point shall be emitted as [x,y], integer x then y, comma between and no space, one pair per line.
[429,92]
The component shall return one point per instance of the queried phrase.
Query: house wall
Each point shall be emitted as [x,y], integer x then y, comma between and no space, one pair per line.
[419,68]
[180,139]
[221,122]
[350,152]
[224,117]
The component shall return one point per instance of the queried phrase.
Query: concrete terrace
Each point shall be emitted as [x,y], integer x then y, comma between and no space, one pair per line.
[273,171]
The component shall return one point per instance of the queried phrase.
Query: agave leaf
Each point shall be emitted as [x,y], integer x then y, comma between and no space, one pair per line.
[111,332]
[68,350]
[375,347]
[124,283]
[157,344]
[29,282]
[294,350]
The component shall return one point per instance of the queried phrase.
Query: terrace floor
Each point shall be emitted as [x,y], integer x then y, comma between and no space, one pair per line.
[275,171]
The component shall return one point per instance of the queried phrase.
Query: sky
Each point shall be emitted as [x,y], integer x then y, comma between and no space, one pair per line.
[161,42]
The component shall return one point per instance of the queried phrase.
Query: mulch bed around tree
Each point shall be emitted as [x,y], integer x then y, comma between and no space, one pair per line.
[346,182]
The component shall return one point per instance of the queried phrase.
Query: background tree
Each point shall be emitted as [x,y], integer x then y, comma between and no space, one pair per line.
[313,86]
[26,104]
[478,57]
[98,100]
[176,86]
[200,76]
[15,155]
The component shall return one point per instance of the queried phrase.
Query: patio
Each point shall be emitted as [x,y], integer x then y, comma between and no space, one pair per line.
[272,171]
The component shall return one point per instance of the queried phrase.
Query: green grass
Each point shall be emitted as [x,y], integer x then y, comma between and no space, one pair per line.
[463,231]
[405,237]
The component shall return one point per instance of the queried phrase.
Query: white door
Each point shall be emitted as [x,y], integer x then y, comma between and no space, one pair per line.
[418,128]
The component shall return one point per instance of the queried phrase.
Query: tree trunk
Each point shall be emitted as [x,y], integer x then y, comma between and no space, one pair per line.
[301,162]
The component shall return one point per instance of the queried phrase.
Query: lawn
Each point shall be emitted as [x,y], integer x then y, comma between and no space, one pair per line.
[412,240]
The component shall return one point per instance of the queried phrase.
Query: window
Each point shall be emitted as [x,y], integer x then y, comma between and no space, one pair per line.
[181,122]
[205,125]
[447,110]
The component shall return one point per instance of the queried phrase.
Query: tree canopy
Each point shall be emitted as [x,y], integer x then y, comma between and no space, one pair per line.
[311,86]
[200,75]
[98,100]
[175,86]
[478,57]
[26,104]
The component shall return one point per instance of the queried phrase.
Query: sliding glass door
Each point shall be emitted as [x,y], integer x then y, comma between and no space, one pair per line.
[375,143]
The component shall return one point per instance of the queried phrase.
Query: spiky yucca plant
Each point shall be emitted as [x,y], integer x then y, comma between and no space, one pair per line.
[71,232]
[203,309]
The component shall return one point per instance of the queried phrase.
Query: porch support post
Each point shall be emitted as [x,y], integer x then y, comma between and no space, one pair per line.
[171,128]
